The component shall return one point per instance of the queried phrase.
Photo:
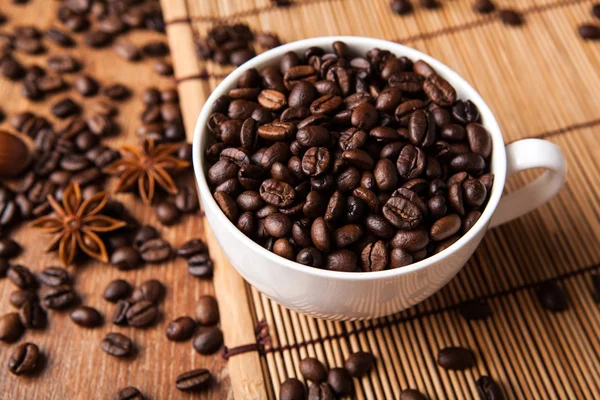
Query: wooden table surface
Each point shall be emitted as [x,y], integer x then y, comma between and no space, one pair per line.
[75,366]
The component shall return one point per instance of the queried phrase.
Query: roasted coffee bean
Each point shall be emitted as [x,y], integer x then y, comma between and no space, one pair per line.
[59,37]
[465,112]
[589,31]
[412,394]
[313,370]
[59,297]
[120,314]
[484,6]
[125,258]
[228,205]
[21,276]
[411,162]
[9,248]
[488,389]
[194,380]
[374,257]
[116,91]
[208,341]
[342,260]
[552,296]
[404,211]
[320,391]
[510,17]
[292,389]
[445,227]
[155,49]
[11,327]
[24,359]
[151,290]
[456,358]
[341,382]
[186,200]
[439,91]
[97,39]
[54,276]
[142,313]
[117,290]
[207,310]
[163,68]
[65,108]
[63,63]
[20,297]
[130,392]
[167,213]
[4,265]
[191,248]
[155,250]
[475,310]
[181,329]
[86,316]
[358,364]
[200,266]
[401,258]
[277,193]
[116,345]
[11,68]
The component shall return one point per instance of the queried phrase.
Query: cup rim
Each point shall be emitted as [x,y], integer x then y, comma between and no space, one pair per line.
[268,57]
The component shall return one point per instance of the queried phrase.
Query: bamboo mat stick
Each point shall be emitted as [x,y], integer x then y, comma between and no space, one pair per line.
[237,324]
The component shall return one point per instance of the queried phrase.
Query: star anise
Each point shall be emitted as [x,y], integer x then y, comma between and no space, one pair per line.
[76,224]
[149,165]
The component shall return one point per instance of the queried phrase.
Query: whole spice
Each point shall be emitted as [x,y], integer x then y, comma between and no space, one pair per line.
[148,166]
[76,225]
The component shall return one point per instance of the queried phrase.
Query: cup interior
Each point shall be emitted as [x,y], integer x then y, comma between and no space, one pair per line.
[359,45]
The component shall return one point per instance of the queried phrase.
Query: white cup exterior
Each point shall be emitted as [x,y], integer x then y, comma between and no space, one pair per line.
[342,295]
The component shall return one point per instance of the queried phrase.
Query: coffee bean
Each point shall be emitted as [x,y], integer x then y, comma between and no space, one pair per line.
[167,213]
[200,266]
[404,211]
[54,276]
[129,393]
[120,314]
[320,391]
[194,380]
[97,39]
[374,257]
[589,31]
[445,227]
[313,370]
[59,37]
[186,200]
[65,108]
[144,234]
[456,358]
[207,310]
[552,296]
[126,50]
[475,310]
[412,394]
[292,389]
[181,329]
[142,313]
[32,315]
[117,290]
[11,327]
[191,248]
[116,91]
[155,250]
[86,316]
[510,17]
[59,297]
[340,381]
[125,258]
[21,277]
[9,248]
[116,345]
[359,363]
[484,6]
[488,389]
[208,341]
[86,85]
[342,260]
[20,297]
[24,359]
[151,290]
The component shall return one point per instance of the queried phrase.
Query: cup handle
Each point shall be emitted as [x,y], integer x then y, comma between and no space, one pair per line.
[520,156]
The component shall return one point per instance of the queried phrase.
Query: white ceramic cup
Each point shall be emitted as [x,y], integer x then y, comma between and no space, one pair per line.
[360,295]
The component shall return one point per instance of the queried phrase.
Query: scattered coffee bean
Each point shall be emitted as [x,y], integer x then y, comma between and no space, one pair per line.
[209,340]
[192,381]
[126,258]
[341,382]
[127,50]
[191,248]
[129,393]
[59,297]
[19,297]
[97,39]
[21,276]
[292,389]
[484,6]
[510,17]
[54,276]
[32,314]
[116,344]
[589,31]
[11,327]
[313,370]
[155,250]
[116,91]
[120,314]
[86,316]
[412,394]
[151,290]
[200,266]
[181,329]
[552,296]
[320,391]
[207,310]
[24,359]
[65,108]
[163,68]
[117,290]
[167,213]
[359,363]
[86,85]
[456,358]
[155,49]
[59,37]
[9,248]
[186,200]
[142,313]
[475,310]
[488,389]
[144,234]
[429,4]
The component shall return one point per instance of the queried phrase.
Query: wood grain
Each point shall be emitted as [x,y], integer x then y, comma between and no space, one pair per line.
[76,367]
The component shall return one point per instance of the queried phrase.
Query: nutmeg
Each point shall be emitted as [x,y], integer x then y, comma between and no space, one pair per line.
[15,154]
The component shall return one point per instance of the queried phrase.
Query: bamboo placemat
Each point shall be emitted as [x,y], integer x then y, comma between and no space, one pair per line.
[541,80]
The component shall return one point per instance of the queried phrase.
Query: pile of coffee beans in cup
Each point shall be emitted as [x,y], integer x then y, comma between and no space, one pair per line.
[349,162]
